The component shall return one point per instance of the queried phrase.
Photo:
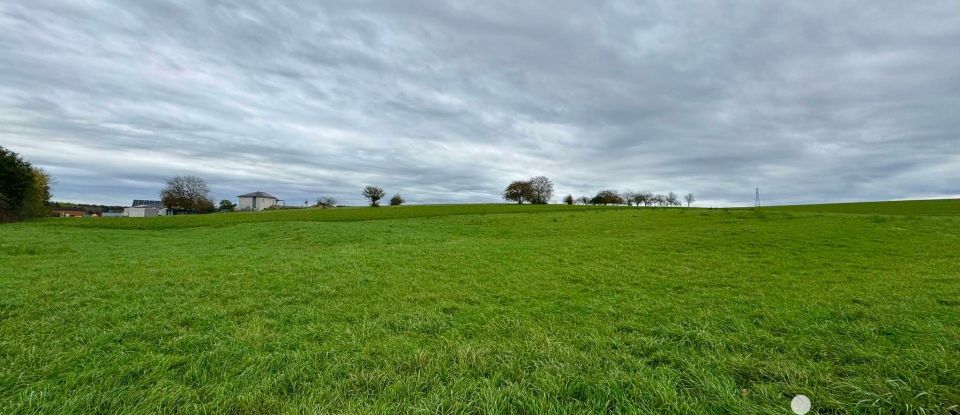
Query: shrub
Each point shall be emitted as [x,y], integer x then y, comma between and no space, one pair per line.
[325,202]
[227,206]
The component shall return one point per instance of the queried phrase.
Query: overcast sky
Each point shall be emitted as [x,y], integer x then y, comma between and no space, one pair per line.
[811,101]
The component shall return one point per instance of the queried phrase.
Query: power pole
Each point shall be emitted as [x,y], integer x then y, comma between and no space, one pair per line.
[757,202]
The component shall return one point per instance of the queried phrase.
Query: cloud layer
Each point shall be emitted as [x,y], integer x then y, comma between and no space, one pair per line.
[449,101]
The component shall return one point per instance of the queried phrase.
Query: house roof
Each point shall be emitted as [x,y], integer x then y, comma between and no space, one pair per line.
[141,202]
[258,194]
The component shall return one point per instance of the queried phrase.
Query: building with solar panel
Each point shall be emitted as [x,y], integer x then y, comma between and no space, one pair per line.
[154,203]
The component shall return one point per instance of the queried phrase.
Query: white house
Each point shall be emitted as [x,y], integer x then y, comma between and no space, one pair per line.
[256,201]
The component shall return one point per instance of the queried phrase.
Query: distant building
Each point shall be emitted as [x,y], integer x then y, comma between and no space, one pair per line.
[144,211]
[68,213]
[256,201]
[146,208]
[155,203]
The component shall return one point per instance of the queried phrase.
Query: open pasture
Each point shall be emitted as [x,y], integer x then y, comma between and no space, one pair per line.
[484,309]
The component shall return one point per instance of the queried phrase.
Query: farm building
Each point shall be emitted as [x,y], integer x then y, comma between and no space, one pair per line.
[155,203]
[68,213]
[146,208]
[144,211]
[256,201]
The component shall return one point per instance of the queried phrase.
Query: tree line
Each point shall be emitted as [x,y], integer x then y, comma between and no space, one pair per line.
[191,193]
[539,190]
[612,197]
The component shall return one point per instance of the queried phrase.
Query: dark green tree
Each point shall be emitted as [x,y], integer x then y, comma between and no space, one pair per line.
[518,191]
[607,197]
[227,206]
[24,189]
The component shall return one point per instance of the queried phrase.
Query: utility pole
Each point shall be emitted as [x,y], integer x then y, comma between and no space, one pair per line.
[757,202]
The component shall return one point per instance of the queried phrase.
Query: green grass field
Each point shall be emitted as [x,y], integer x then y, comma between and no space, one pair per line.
[485,309]
[907,207]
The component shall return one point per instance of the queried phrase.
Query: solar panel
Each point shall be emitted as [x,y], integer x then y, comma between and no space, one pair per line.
[153,203]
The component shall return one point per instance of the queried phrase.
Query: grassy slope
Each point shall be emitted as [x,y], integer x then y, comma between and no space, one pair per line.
[904,207]
[347,214]
[624,310]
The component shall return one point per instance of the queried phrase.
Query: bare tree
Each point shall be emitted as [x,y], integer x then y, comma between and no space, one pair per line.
[660,200]
[396,200]
[518,191]
[673,199]
[568,200]
[629,197]
[583,200]
[646,198]
[188,193]
[640,198]
[373,194]
[541,190]
[325,202]
[690,198]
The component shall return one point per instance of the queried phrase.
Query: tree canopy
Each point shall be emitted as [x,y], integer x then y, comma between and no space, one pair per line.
[373,194]
[187,193]
[541,190]
[227,206]
[537,190]
[518,191]
[24,189]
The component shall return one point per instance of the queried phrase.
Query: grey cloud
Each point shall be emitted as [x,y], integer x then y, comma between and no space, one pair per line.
[448,101]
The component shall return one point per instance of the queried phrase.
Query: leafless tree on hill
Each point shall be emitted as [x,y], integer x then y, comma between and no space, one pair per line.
[373,194]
